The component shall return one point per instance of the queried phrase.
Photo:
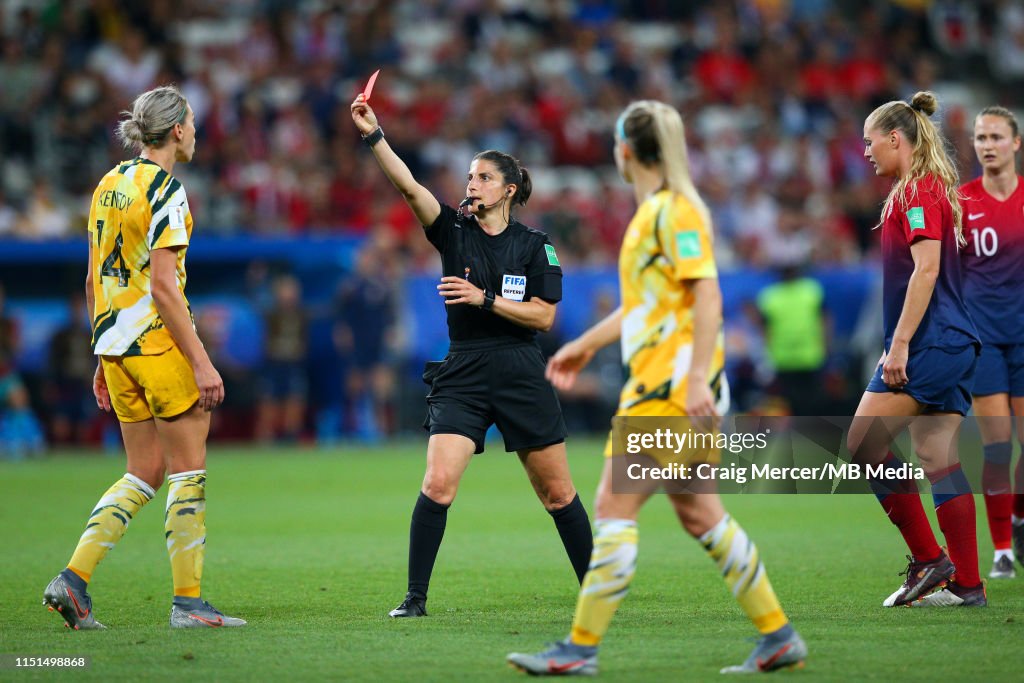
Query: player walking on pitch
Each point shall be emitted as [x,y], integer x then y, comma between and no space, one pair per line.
[670,325]
[993,265]
[924,377]
[153,370]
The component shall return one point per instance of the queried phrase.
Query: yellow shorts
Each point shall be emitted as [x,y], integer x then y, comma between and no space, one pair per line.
[143,387]
[670,407]
[666,415]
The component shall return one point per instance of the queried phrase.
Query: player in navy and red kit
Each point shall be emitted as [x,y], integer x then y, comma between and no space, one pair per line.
[924,377]
[993,284]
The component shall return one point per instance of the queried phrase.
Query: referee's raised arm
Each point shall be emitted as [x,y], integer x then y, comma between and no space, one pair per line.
[419,198]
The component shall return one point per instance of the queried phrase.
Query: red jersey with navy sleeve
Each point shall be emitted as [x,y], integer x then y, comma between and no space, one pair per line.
[993,262]
[924,212]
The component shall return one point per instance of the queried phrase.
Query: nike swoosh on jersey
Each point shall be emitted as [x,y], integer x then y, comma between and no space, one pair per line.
[975,216]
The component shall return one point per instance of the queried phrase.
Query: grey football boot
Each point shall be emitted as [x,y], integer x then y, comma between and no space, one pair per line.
[197,613]
[66,595]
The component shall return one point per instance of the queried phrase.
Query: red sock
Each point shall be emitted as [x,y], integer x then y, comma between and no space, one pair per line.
[1018,489]
[907,513]
[959,526]
[998,506]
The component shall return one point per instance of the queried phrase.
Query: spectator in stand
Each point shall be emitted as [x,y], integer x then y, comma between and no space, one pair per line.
[20,434]
[130,66]
[769,65]
[723,71]
[281,411]
[364,333]
[9,217]
[45,217]
[70,371]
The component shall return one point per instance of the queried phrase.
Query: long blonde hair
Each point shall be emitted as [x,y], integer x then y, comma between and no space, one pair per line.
[655,132]
[929,156]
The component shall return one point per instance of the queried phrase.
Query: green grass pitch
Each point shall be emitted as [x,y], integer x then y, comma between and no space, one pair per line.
[310,547]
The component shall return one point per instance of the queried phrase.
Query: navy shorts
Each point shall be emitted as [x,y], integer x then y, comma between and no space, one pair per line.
[480,383]
[282,380]
[1000,370]
[940,378]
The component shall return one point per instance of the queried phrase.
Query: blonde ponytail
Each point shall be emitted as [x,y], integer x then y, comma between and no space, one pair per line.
[655,132]
[929,155]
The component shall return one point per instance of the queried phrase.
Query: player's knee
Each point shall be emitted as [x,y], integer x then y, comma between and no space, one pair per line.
[154,476]
[696,519]
[691,520]
[608,508]
[440,496]
[440,490]
[936,461]
[557,498]
[853,443]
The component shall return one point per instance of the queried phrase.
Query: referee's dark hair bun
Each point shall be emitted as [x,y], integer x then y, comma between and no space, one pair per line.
[525,187]
[924,102]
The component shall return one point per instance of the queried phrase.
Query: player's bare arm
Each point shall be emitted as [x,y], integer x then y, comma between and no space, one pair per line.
[170,304]
[565,366]
[99,382]
[707,324]
[927,255]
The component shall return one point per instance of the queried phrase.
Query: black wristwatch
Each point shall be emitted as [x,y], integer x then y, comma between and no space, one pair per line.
[488,303]
[374,137]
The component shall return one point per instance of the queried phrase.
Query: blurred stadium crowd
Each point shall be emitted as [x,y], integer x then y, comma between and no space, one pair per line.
[774,93]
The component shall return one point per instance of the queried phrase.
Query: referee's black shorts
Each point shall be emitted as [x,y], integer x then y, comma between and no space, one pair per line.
[494,381]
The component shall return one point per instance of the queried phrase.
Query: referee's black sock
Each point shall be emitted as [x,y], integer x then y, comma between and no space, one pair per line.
[574,527]
[425,534]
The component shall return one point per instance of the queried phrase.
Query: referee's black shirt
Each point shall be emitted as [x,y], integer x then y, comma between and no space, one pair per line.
[498,263]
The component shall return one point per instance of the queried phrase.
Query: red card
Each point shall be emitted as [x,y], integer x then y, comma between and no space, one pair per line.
[369,85]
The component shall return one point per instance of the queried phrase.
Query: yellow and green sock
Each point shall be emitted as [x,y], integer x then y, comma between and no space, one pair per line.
[612,566]
[736,555]
[108,522]
[185,529]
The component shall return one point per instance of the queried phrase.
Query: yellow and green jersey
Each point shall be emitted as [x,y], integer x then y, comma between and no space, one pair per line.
[667,246]
[137,207]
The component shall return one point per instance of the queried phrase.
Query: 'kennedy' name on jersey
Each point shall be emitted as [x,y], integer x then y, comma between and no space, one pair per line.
[118,200]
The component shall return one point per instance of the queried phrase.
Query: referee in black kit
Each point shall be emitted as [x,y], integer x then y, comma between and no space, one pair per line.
[501,281]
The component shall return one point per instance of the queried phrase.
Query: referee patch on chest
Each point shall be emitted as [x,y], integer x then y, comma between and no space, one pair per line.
[513,287]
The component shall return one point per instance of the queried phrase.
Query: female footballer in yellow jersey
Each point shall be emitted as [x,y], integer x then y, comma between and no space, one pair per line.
[669,324]
[153,371]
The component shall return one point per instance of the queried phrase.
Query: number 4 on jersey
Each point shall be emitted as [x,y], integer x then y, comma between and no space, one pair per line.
[113,265]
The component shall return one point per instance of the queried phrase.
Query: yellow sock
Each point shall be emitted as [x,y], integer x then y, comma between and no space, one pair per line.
[612,566]
[185,527]
[736,555]
[108,522]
